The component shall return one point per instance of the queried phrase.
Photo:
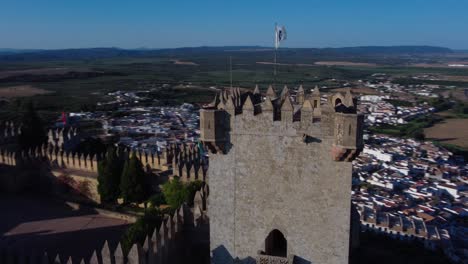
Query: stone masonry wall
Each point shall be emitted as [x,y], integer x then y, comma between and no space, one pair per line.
[270,179]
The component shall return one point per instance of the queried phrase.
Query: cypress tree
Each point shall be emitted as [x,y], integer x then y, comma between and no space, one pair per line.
[32,130]
[133,186]
[109,172]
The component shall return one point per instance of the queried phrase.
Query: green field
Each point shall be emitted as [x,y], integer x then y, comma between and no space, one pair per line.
[98,76]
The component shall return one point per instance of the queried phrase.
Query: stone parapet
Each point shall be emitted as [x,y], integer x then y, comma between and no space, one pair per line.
[235,112]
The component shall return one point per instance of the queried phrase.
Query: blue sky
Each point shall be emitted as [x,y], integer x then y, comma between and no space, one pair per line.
[57,24]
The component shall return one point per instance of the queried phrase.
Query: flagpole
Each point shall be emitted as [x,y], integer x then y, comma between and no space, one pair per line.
[274,72]
[230,70]
[274,63]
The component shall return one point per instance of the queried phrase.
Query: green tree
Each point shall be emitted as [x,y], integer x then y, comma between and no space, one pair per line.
[133,186]
[145,225]
[157,199]
[32,130]
[175,193]
[192,188]
[109,173]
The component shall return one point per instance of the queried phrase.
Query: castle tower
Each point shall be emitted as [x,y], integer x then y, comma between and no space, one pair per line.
[280,189]
[214,126]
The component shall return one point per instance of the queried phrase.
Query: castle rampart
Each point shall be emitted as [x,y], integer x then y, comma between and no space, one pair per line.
[399,227]
[83,168]
[8,132]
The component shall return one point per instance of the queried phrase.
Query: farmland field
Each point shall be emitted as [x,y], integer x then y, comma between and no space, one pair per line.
[452,131]
[21,91]
[79,79]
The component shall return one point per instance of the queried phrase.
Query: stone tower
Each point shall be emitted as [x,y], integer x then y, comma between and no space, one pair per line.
[280,176]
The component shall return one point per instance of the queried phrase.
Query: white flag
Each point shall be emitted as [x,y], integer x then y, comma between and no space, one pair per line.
[280,35]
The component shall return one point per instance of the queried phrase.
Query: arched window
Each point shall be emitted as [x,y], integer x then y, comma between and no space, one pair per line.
[337,101]
[276,244]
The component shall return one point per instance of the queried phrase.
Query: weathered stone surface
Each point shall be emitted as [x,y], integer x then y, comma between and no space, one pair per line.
[133,257]
[153,254]
[94,258]
[106,255]
[271,179]
[118,255]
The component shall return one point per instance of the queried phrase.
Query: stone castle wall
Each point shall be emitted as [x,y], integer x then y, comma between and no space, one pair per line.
[281,166]
[271,179]
[400,227]
[189,165]
[185,162]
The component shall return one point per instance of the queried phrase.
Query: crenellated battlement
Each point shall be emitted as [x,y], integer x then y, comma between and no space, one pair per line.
[63,138]
[188,164]
[186,160]
[305,115]
[9,131]
[58,158]
[280,173]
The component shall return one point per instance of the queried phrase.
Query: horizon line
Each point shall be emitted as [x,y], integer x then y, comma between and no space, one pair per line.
[225,46]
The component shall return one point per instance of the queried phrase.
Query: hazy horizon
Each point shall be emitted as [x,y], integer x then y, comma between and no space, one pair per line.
[220,46]
[24,24]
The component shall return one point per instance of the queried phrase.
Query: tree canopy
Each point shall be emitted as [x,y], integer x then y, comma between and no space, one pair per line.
[176,193]
[109,173]
[133,185]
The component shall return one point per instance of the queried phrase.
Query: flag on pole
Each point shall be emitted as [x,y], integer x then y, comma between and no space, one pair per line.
[280,35]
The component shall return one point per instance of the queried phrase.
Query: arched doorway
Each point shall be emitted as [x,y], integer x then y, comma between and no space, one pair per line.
[276,244]
[337,101]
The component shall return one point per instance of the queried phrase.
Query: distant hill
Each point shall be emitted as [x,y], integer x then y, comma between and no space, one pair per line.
[393,50]
[15,51]
[12,55]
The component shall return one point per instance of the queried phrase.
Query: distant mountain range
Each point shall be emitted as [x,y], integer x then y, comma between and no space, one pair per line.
[12,51]
[15,55]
